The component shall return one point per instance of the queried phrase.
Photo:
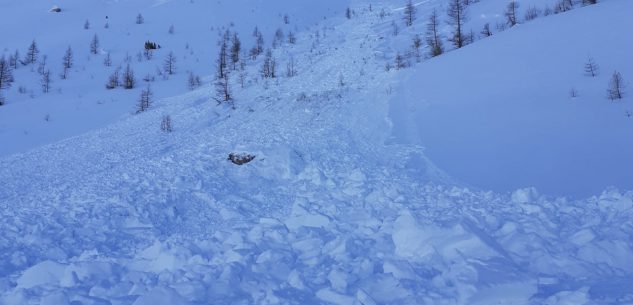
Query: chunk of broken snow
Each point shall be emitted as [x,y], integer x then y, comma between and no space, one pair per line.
[160,296]
[309,220]
[56,298]
[357,176]
[399,270]
[157,258]
[613,199]
[577,297]
[420,243]
[338,280]
[582,237]
[294,279]
[410,240]
[44,273]
[525,195]
[507,293]
[332,297]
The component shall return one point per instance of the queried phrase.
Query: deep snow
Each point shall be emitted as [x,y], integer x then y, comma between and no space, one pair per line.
[81,104]
[498,114]
[339,207]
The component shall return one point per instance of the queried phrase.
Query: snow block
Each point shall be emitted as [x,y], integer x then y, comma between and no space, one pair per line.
[525,195]
[44,273]
[421,244]
[332,297]
[160,296]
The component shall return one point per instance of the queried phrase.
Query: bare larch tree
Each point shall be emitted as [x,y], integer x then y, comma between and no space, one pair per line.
[457,16]
[409,13]
[616,87]
[433,37]
[67,62]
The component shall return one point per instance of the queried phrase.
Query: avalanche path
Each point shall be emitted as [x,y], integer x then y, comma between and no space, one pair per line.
[327,213]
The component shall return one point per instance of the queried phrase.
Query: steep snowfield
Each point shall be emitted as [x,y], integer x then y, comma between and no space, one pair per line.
[338,207]
[499,114]
[81,103]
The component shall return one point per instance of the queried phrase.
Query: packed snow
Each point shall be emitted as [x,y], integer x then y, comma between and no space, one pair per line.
[351,197]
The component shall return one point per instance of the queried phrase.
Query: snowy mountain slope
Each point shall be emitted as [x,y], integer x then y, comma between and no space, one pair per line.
[499,115]
[327,213]
[81,103]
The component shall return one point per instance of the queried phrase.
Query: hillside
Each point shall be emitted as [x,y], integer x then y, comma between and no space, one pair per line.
[499,114]
[368,185]
[80,103]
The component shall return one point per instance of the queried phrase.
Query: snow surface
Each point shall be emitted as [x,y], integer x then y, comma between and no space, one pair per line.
[498,114]
[80,104]
[340,206]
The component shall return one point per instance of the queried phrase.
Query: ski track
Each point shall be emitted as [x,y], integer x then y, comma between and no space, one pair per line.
[325,214]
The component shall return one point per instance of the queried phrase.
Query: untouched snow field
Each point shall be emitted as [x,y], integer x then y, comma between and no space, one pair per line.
[499,114]
[341,205]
